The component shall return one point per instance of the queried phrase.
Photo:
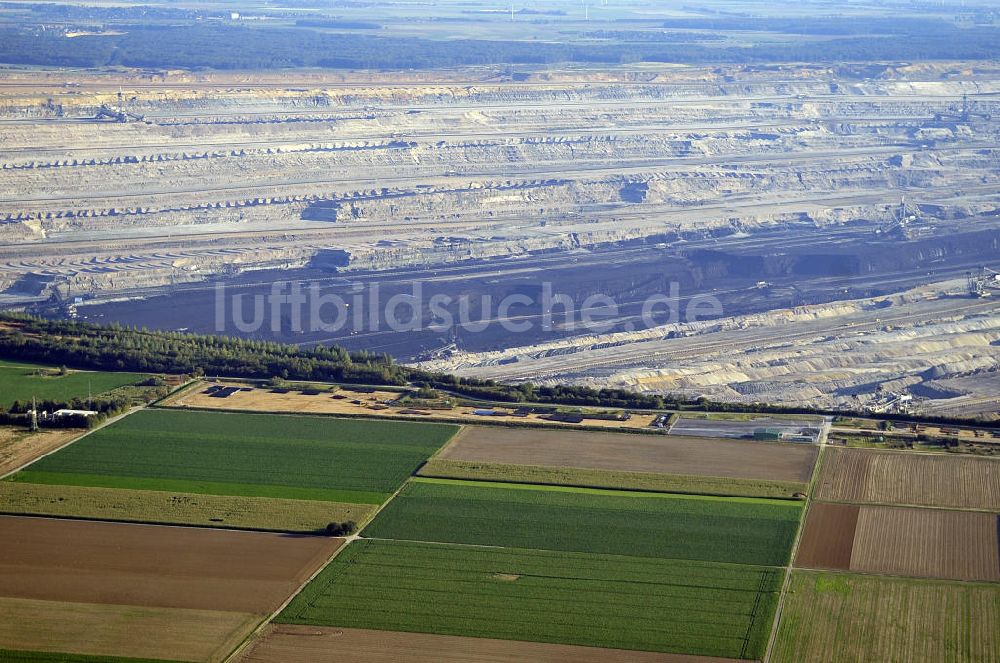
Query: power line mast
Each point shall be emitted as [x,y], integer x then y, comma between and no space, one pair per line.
[33,419]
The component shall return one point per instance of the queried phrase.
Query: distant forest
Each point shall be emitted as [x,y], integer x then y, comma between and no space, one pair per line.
[222,46]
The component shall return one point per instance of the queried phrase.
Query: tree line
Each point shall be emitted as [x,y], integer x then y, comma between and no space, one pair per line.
[115,347]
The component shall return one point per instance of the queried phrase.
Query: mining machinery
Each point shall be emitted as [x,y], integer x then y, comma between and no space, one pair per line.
[899,225]
[118,114]
[983,283]
[962,115]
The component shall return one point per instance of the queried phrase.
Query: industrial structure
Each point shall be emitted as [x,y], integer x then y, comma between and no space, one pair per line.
[984,282]
[118,114]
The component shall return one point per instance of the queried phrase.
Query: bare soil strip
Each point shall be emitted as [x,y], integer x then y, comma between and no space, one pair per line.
[312,644]
[148,565]
[895,477]
[638,453]
[828,538]
[958,545]
[116,630]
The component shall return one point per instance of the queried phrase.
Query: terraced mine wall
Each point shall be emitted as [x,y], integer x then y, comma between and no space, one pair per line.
[285,168]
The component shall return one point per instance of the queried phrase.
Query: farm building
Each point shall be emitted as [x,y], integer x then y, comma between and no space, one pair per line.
[59,414]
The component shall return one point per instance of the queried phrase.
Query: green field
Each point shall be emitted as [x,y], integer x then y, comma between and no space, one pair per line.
[737,530]
[288,457]
[588,478]
[155,506]
[543,596]
[846,618]
[22,382]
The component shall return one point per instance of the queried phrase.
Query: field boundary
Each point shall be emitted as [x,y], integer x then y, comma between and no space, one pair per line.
[427,420]
[437,475]
[588,490]
[780,603]
[348,541]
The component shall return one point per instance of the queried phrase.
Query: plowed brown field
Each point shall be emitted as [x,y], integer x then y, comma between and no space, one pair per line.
[313,644]
[147,565]
[932,543]
[828,538]
[634,453]
[894,477]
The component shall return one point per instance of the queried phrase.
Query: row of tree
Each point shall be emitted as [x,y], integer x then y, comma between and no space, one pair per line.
[118,348]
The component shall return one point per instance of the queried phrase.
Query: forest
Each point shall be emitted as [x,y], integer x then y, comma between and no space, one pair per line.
[219,45]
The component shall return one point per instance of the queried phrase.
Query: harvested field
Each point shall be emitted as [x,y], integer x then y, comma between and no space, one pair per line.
[316,644]
[112,630]
[19,447]
[572,476]
[893,477]
[933,543]
[635,453]
[145,565]
[828,537]
[156,506]
[312,458]
[927,542]
[843,618]
[293,401]
[735,530]
[543,596]
[376,404]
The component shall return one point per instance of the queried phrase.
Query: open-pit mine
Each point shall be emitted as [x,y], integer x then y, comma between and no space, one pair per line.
[845,217]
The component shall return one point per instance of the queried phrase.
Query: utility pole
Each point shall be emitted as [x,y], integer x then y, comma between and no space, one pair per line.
[33,420]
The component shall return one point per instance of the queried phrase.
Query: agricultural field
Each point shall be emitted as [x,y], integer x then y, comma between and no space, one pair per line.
[544,596]
[735,530]
[773,467]
[888,477]
[585,478]
[846,618]
[281,643]
[158,506]
[313,459]
[19,446]
[89,588]
[380,403]
[933,543]
[22,382]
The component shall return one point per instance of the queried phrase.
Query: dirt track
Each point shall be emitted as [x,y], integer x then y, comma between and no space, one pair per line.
[634,453]
[893,477]
[144,565]
[313,644]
